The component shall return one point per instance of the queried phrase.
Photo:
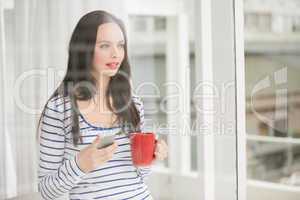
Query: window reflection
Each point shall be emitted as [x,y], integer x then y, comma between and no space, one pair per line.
[272,65]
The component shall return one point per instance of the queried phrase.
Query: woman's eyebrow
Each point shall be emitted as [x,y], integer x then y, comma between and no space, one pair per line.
[121,41]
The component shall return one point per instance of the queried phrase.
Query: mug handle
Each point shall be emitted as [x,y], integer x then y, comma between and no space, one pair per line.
[155,142]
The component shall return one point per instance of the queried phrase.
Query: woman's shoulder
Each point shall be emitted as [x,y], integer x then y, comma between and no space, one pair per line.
[59,103]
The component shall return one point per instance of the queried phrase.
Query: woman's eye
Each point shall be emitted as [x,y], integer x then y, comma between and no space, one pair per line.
[104,46]
[121,45]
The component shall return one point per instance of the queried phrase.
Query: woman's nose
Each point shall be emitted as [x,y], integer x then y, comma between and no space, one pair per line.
[115,52]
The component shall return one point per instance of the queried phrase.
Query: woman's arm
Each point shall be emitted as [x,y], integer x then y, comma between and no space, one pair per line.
[56,175]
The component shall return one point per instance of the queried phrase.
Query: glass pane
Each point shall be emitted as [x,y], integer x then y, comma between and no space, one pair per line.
[273,95]
[274,162]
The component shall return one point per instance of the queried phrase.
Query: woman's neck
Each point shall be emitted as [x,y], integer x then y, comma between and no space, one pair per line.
[102,87]
[103,83]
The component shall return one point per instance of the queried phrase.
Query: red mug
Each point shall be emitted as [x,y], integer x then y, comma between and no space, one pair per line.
[142,148]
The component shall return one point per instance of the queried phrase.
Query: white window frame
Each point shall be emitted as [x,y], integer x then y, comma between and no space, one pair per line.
[240,99]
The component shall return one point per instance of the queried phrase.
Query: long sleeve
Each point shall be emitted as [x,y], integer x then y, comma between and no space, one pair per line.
[57,176]
[144,172]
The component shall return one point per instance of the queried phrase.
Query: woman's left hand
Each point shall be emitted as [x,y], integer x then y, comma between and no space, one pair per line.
[161,150]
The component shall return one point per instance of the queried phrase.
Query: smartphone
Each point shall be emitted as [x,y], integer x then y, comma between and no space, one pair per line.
[106,141]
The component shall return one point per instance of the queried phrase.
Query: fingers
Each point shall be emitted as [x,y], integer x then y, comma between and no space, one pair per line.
[105,154]
[91,157]
[161,145]
[161,150]
[163,142]
[96,142]
[107,150]
[161,155]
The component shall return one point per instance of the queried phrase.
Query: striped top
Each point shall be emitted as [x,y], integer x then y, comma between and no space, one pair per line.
[59,173]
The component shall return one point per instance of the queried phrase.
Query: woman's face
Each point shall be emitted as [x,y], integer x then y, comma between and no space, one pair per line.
[109,50]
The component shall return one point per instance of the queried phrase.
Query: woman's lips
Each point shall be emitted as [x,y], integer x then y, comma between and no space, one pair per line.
[112,65]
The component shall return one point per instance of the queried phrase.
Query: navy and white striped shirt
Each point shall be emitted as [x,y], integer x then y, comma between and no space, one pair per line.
[59,173]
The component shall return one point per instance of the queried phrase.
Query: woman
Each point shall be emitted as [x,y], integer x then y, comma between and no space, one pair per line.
[93,99]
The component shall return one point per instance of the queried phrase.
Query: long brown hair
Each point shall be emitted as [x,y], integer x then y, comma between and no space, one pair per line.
[79,76]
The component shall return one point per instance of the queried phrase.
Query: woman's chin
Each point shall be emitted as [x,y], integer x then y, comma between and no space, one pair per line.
[110,73]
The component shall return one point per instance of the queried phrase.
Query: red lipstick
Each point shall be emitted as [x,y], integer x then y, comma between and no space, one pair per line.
[112,65]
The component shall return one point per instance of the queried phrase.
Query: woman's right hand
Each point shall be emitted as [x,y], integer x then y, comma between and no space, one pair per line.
[91,157]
